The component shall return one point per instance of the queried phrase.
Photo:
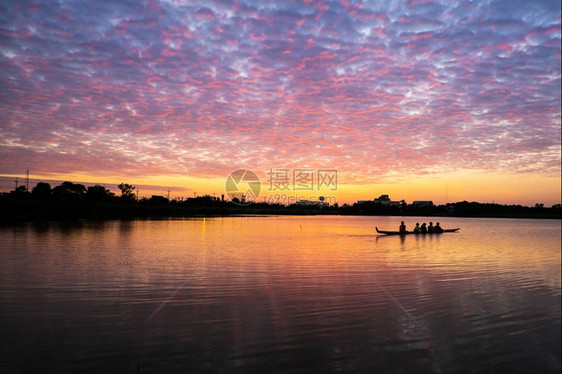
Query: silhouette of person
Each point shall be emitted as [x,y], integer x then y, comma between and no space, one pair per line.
[402,227]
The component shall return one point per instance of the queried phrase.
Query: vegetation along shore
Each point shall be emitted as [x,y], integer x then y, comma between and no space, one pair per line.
[70,201]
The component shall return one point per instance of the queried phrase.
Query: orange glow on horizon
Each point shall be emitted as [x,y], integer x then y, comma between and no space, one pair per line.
[477,186]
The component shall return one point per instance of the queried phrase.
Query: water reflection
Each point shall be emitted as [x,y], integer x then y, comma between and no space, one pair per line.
[280,294]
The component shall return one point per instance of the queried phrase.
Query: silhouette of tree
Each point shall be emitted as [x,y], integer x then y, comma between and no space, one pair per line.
[69,191]
[20,193]
[20,189]
[158,200]
[99,192]
[203,201]
[42,190]
[127,191]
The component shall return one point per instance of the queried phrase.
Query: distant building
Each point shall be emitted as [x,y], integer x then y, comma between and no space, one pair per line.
[422,203]
[397,203]
[385,200]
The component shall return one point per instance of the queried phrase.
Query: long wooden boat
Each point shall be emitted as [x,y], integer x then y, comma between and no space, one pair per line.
[412,232]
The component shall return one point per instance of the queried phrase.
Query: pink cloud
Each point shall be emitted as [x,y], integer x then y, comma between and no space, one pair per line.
[134,90]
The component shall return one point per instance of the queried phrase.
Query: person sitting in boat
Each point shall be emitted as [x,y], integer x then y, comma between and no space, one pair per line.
[430,228]
[402,227]
[437,229]
[417,229]
[423,228]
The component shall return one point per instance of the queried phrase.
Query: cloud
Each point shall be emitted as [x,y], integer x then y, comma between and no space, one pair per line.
[162,87]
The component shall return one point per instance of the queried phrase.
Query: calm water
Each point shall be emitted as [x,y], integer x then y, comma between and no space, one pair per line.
[280,294]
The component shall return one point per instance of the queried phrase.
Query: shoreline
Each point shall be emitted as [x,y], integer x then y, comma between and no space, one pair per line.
[21,211]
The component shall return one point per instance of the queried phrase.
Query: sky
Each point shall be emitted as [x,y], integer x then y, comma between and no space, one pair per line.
[421,100]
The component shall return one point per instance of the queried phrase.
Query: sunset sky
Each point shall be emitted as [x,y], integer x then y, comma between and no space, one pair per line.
[421,100]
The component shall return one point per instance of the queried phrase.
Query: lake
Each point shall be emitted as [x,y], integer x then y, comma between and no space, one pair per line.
[280,295]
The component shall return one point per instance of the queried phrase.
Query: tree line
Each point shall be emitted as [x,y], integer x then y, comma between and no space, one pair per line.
[70,200]
[69,191]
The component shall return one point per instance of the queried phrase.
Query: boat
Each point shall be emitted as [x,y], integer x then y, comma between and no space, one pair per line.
[412,232]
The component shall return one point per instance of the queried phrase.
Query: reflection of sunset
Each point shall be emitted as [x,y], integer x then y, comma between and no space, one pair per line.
[288,293]
[301,245]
